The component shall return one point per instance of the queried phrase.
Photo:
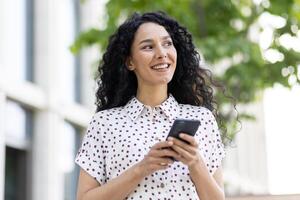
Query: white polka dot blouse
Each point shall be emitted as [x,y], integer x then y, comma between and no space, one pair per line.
[118,138]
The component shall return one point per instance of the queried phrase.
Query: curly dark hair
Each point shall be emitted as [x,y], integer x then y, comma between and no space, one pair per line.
[190,83]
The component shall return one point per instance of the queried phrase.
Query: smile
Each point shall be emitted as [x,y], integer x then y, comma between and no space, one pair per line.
[161,66]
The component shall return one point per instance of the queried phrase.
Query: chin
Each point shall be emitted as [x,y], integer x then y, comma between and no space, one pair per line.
[163,81]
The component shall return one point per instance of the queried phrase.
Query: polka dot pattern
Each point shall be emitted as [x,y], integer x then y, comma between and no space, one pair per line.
[118,138]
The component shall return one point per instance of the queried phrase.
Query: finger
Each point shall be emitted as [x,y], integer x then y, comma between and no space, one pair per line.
[156,167]
[163,144]
[169,152]
[189,139]
[159,161]
[184,145]
[180,158]
[183,153]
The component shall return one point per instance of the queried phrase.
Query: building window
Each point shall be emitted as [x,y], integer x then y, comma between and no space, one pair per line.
[18,136]
[16,167]
[29,41]
[17,39]
[69,23]
[78,79]
[72,140]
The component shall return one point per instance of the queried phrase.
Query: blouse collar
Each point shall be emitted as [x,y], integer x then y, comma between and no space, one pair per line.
[170,107]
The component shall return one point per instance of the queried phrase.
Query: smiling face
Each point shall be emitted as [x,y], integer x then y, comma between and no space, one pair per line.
[153,55]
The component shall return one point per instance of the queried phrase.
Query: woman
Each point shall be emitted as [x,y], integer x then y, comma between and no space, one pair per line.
[149,76]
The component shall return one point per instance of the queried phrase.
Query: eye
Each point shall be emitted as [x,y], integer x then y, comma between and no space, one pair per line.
[147,47]
[169,43]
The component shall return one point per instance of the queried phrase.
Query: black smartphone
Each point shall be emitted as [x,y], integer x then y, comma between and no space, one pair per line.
[188,126]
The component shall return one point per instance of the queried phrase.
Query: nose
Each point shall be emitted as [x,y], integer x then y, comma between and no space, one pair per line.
[161,52]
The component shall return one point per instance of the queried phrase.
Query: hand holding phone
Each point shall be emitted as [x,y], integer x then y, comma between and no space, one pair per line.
[188,126]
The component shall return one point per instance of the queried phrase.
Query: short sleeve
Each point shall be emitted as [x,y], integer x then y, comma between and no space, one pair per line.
[91,155]
[216,147]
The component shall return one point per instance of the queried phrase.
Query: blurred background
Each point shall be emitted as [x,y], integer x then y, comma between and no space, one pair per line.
[49,51]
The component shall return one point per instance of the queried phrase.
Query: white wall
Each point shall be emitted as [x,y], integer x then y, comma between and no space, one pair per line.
[245,164]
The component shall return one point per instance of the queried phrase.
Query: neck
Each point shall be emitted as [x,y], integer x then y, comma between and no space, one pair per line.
[152,95]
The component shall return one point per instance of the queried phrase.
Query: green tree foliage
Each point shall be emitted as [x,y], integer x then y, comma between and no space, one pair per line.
[225,32]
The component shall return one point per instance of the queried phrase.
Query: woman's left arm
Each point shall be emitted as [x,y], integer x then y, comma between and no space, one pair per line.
[208,186]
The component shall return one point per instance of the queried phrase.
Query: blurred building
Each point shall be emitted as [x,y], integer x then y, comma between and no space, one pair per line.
[46,101]
[46,96]
[245,165]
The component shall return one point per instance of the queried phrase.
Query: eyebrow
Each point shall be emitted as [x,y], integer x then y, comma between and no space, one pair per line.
[150,40]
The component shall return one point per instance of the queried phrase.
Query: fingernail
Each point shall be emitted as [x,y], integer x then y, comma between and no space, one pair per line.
[170,142]
[181,135]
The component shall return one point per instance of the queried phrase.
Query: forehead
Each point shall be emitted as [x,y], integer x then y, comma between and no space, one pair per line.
[150,30]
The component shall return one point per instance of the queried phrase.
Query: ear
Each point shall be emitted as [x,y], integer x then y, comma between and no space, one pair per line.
[129,64]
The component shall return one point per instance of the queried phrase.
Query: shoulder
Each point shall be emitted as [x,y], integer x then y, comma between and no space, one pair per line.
[197,111]
[102,119]
[107,114]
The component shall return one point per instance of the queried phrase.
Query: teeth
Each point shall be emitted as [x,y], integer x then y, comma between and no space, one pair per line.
[162,66]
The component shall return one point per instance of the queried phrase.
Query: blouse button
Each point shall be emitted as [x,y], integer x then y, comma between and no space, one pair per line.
[162,185]
[156,138]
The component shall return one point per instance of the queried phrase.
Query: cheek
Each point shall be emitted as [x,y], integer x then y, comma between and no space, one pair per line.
[174,53]
[142,64]
[143,57]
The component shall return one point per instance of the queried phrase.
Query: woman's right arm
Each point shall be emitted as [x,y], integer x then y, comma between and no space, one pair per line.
[120,187]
